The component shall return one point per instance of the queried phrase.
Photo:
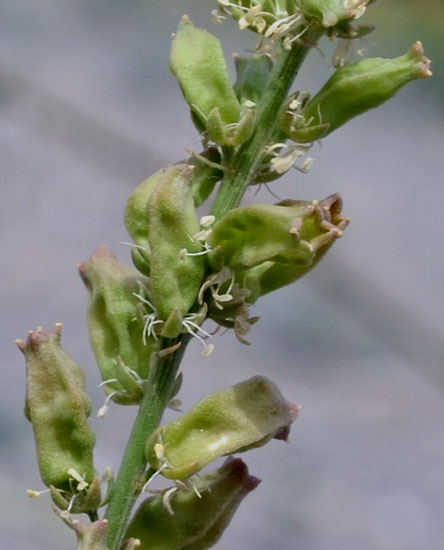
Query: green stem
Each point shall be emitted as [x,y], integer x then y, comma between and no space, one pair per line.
[247,158]
[127,485]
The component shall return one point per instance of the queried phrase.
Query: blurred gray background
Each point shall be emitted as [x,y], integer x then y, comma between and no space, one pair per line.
[88,109]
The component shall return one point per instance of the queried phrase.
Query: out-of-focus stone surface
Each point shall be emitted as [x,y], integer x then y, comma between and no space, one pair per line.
[87,110]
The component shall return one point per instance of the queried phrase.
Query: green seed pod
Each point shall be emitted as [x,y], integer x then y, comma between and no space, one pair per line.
[330,12]
[58,407]
[232,420]
[289,232]
[115,323]
[351,91]
[198,63]
[318,230]
[252,76]
[197,523]
[175,274]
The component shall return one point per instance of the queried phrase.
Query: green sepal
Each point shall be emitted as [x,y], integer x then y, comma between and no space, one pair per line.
[353,90]
[115,324]
[233,134]
[175,275]
[58,408]
[86,501]
[232,420]
[197,523]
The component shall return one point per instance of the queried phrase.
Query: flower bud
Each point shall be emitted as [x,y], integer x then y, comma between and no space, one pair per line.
[290,232]
[198,63]
[196,523]
[352,90]
[176,272]
[58,407]
[232,420]
[116,331]
[330,12]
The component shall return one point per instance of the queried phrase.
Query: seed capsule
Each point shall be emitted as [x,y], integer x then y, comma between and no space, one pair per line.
[196,522]
[116,325]
[351,91]
[175,272]
[317,231]
[57,407]
[233,420]
[290,232]
[198,63]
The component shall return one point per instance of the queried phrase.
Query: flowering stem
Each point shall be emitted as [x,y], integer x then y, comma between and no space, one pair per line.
[128,483]
[241,169]
[245,161]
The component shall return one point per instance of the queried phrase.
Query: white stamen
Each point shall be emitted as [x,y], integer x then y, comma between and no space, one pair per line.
[81,483]
[206,221]
[207,351]
[106,382]
[156,473]
[167,498]
[104,408]
[36,494]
